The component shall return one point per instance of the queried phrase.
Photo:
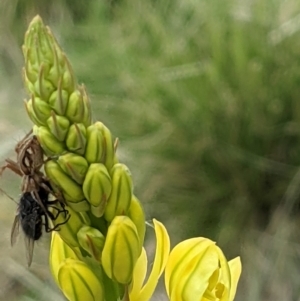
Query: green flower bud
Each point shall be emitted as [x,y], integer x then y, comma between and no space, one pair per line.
[43,87]
[95,147]
[76,108]
[97,187]
[76,138]
[73,165]
[87,119]
[41,109]
[28,84]
[45,63]
[68,80]
[137,215]
[58,125]
[120,198]
[92,241]
[79,206]
[71,191]
[78,281]
[31,113]
[68,231]
[49,143]
[58,100]
[30,72]
[109,149]
[121,250]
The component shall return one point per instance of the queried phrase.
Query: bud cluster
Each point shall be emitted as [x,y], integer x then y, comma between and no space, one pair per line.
[105,233]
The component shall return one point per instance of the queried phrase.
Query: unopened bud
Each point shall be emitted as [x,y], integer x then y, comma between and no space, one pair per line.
[137,215]
[76,138]
[120,198]
[32,115]
[41,109]
[49,143]
[74,165]
[76,109]
[71,191]
[109,149]
[79,282]
[92,241]
[95,145]
[68,231]
[58,100]
[121,250]
[97,188]
[58,125]
[59,251]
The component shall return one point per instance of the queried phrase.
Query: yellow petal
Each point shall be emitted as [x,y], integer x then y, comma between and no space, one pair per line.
[161,256]
[183,260]
[235,267]
[139,274]
[190,279]
[225,276]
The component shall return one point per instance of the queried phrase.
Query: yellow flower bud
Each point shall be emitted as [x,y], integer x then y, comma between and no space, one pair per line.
[95,145]
[79,282]
[59,251]
[92,241]
[121,193]
[49,143]
[58,125]
[121,250]
[97,188]
[198,270]
[73,165]
[76,138]
[137,215]
[109,150]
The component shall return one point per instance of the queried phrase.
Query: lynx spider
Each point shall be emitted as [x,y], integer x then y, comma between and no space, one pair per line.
[30,159]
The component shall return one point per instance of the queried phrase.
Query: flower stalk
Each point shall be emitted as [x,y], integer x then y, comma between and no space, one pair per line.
[98,254]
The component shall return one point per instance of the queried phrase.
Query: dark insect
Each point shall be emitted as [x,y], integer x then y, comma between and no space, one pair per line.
[34,208]
[32,217]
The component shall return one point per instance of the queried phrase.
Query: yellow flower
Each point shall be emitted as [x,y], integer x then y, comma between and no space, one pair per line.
[198,270]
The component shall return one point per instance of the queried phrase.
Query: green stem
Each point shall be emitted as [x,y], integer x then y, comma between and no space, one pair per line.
[126,294]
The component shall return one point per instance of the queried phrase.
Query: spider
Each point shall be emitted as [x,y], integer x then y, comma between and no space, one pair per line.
[30,159]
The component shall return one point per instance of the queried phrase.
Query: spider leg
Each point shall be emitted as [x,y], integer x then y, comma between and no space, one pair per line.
[23,141]
[57,194]
[36,196]
[58,211]
[56,227]
[13,166]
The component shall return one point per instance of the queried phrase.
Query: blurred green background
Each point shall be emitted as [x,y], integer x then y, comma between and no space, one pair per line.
[205,99]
